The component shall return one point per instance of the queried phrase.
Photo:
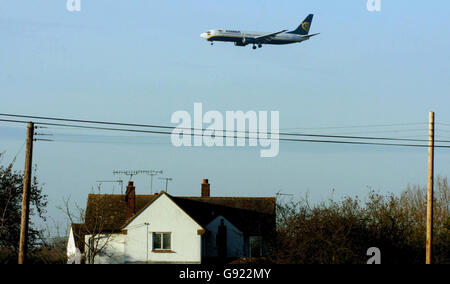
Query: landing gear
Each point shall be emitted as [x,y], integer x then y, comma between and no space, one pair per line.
[259,45]
[254,46]
[212,43]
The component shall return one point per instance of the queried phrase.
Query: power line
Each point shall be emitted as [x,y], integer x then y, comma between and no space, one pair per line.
[193,129]
[244,137]
[214,130]
[13,121]
[86,121]
[107,139]
[170,127]
[104,142]
[396,131]
[247,132]
[83,135]
[248,138]
[356,126]
[266,133]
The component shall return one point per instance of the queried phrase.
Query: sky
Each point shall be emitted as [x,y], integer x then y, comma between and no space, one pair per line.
[141,61]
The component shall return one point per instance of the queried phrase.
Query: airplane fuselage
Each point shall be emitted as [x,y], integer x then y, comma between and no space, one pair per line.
[243,38]
[257,39]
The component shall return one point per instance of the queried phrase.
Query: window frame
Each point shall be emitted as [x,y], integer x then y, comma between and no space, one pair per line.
[161,248]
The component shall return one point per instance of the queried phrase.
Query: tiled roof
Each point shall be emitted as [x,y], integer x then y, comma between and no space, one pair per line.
[107,212]
[253,216]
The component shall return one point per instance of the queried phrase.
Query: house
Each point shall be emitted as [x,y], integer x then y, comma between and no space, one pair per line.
[162,228]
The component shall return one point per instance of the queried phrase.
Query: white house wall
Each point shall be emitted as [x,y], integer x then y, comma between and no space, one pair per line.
[113,252]
[71,246]
[163,216]
[235,239]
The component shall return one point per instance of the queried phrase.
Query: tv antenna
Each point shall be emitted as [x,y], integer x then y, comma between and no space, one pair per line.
[167,182]
[120,182]
[131,173]
[283,194]
[127,173]
[152,174]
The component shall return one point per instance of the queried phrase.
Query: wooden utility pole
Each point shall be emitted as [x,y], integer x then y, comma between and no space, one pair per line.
[430,200]
[26,195]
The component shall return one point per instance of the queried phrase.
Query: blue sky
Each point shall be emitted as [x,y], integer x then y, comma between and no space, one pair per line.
[140,61]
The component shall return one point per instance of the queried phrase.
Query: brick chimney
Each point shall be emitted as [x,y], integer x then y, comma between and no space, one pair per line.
[206,188]
[130,199]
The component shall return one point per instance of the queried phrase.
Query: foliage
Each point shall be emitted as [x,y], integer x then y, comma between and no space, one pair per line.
[11,187]
[342,232]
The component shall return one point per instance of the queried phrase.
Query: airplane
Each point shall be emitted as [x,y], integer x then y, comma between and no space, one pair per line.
[257,39]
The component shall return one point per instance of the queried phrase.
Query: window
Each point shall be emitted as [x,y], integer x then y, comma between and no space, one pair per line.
[162,241]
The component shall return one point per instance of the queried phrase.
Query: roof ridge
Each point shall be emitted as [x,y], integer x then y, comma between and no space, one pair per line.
[211,197]
[120,195]
[105,194]
[223,197]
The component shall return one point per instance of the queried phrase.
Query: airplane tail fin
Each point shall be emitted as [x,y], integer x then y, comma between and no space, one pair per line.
[304,27]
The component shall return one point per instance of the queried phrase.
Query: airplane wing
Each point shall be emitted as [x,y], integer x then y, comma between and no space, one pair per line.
[267,37]
[309,36]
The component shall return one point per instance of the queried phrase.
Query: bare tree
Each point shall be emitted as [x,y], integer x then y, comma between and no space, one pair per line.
[52,245]
[91,226]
